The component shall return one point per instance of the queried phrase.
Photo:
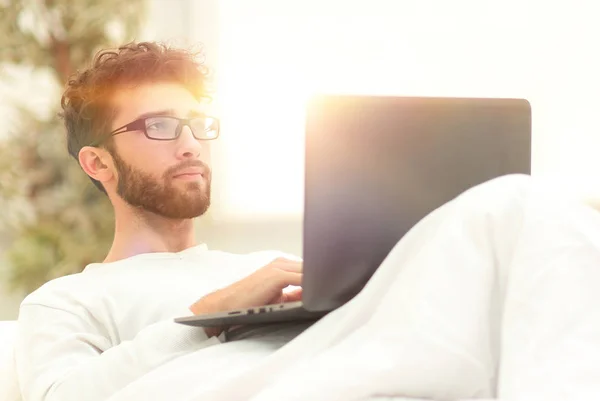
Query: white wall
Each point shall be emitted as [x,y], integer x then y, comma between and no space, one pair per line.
[275,53]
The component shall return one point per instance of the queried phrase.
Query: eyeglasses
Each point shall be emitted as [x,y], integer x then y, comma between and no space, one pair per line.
[167,128]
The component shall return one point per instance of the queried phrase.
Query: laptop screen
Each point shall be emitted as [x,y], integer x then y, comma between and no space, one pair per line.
[375,166]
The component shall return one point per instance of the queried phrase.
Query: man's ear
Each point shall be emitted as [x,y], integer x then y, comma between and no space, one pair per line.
[97,163]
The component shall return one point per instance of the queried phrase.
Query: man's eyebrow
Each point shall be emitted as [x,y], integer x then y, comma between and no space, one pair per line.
[170,113]
[166,112]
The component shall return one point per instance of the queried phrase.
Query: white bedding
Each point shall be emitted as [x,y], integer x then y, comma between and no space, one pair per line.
[494,296]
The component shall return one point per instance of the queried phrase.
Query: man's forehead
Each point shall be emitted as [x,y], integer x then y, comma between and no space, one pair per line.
[129,103]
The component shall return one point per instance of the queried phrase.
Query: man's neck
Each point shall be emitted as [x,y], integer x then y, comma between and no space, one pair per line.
[143,232]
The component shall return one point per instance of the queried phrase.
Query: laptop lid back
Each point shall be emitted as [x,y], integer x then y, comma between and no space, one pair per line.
[375,166]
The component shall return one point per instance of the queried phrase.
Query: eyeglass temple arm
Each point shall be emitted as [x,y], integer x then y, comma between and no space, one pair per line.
[120,130]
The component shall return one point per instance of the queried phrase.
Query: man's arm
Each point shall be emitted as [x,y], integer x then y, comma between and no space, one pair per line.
[65,355]
[62,356]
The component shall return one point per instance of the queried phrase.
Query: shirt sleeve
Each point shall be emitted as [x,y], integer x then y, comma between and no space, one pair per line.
[65,356]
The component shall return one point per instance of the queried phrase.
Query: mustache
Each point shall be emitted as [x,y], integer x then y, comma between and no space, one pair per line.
[171,171]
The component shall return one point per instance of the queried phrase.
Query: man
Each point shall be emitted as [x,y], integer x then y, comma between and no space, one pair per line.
[448,315]
[136,125]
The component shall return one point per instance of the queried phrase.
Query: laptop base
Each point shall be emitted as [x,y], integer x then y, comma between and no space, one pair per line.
[292,311]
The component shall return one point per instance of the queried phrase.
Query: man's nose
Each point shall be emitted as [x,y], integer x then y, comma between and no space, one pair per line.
[187,145]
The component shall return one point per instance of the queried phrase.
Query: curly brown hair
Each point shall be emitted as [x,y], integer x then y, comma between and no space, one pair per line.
[87,112]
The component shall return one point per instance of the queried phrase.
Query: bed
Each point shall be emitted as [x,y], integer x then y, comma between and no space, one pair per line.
[8,385]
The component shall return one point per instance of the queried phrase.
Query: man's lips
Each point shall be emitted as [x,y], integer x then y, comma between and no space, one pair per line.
[189,177]
[190,173]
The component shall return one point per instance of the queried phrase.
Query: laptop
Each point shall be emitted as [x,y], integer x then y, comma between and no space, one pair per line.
[375,166]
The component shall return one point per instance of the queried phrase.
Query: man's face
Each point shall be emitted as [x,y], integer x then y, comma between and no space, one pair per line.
[168,178]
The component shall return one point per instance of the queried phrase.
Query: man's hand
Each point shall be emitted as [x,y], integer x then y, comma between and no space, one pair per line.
[263,287]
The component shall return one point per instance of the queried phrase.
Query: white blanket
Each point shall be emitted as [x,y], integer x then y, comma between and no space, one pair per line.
[495,295]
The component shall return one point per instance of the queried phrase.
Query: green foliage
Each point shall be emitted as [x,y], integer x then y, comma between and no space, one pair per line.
[56,220]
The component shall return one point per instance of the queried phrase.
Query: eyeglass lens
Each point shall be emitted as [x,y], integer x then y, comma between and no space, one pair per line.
[166,127]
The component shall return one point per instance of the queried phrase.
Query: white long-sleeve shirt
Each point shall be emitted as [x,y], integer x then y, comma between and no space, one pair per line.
[88,335]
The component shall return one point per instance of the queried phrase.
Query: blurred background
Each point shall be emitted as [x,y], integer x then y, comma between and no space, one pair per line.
[267,57]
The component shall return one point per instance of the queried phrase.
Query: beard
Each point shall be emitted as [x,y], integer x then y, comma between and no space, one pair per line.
[161,197]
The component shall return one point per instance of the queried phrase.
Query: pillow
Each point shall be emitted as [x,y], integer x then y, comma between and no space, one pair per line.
[8,375]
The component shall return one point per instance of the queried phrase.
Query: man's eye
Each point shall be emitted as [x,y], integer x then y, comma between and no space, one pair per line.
[155,126]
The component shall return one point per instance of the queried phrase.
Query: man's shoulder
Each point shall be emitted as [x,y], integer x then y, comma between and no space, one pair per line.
[66,287]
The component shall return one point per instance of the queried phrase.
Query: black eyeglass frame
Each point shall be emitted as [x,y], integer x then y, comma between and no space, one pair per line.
[140,125]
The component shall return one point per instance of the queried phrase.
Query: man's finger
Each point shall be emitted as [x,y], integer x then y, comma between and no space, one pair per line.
[292,266]
[292,296]
[290,278]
